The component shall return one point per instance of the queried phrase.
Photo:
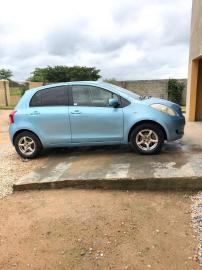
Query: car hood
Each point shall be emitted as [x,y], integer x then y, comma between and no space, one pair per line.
[153,100]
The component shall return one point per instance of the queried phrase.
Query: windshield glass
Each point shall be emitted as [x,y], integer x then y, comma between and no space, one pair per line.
[127,92]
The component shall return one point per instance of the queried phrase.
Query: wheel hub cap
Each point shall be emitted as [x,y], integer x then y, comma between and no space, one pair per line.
[147,139]
[26,145]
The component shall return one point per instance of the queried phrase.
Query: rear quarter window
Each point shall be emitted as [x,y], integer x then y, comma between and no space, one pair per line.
[54,96]
[36,100]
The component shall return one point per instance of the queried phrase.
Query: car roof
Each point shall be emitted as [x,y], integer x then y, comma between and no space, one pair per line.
[108,86]
[93,83]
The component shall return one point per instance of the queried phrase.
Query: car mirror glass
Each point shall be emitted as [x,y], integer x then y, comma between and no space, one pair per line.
[113,102]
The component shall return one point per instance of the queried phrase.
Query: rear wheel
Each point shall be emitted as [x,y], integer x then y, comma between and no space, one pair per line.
[27,145]
[147,139]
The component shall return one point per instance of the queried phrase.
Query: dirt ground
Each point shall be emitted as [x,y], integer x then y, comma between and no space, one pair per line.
[80,229]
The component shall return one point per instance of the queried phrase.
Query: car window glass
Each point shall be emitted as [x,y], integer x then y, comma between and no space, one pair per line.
[81,95]
[36,100]
[91,96]
[124,102]
[54,96]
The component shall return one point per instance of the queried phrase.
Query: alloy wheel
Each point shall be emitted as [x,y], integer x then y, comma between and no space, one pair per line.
[26,145]
[147,140]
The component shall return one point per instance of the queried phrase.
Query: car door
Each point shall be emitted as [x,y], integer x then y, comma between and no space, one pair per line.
[91,117]
[48,114]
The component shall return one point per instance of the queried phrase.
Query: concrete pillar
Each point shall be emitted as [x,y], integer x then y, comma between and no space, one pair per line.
[195,54]
[192,91]
[4,93]
[34,84]
[198,116]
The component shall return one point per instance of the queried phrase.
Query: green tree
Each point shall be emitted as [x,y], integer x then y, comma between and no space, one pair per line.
[38,75]
[175,90]
[5,74]
[64,74]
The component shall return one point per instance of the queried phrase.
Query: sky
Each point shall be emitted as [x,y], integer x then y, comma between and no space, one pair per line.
[125,39]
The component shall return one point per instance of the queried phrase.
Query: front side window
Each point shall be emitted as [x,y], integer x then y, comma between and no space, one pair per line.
[54,96]
[84,95]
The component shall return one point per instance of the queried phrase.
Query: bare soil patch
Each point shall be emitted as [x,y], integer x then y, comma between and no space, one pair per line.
[81,229]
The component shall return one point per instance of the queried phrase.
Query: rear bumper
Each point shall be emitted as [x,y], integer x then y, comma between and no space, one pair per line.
[11,132]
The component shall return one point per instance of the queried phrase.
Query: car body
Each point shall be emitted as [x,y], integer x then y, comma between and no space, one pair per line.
[92,113]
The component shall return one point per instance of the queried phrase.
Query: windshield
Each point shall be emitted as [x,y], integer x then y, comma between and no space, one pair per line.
[127,92]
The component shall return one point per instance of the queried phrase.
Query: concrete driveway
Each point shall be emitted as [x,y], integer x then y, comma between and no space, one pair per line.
[178,166]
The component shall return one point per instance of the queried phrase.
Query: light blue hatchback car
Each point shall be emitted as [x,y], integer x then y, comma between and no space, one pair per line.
[92,113]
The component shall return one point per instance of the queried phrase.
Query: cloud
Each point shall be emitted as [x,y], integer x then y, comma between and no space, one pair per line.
[126,39]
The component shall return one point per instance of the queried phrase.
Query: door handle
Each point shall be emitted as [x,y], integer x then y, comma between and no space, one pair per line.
[76,112]
[35,113]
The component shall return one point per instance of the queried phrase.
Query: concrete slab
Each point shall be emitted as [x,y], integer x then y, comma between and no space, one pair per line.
[179,166]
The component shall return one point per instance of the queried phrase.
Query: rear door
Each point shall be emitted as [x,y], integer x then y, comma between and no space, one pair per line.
[48,114]
[91,117]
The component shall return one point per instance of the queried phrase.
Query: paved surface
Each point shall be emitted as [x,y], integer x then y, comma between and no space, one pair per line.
[178,166]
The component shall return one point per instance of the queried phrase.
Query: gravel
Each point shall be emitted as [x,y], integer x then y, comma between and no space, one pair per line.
[196,216]
[12,168]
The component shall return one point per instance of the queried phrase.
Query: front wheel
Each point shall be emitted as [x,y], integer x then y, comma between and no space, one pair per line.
[27,145]
[147,139]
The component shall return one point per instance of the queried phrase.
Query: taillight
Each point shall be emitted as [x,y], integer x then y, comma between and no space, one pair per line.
[11,117]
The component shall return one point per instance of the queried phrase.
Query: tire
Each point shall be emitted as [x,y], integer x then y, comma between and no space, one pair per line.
[27,145]
[147,139]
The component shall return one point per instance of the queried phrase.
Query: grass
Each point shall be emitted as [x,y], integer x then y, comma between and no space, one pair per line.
[15,91]
[9,107]
[183,109]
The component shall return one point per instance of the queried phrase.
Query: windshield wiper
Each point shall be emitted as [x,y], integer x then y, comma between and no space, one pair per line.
[144,97]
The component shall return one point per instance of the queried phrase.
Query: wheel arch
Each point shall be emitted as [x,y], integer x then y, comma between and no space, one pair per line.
[26,130]
[147,122]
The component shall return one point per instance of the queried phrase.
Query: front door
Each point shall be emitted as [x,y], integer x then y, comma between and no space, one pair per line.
[91,117]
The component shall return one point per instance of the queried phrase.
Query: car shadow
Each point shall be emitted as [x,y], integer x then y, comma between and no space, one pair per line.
[168,148]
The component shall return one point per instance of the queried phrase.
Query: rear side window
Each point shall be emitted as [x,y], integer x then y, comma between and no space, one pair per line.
[54,96]
[36,100]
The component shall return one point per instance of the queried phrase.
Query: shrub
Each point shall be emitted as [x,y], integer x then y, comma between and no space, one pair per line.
[175,91]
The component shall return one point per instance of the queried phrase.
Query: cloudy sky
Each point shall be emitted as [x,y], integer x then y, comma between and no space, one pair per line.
[126,39]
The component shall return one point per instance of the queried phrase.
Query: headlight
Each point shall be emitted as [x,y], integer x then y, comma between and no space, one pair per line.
[164,109]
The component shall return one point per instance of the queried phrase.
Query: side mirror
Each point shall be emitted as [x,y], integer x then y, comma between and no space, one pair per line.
[113,102]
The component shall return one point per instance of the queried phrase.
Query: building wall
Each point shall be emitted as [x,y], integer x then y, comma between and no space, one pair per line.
[199,93]
[196,30]
[156,88]
[195,53]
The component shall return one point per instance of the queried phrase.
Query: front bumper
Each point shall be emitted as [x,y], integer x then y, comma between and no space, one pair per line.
[175,128]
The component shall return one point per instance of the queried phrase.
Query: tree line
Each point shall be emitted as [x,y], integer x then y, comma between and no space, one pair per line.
[57,74]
